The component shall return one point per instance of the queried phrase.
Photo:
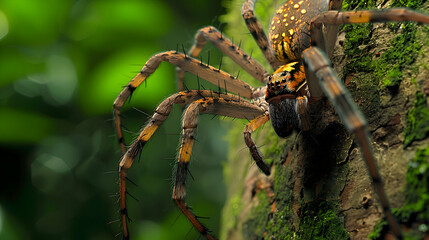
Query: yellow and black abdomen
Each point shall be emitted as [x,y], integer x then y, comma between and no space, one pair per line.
[289,35]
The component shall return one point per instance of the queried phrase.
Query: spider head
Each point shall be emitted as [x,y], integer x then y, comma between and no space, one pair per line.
[285,82]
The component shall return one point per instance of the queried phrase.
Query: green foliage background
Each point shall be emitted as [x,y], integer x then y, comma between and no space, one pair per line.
[62,63]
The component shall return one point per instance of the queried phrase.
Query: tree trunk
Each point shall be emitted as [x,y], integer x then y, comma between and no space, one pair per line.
[319,187]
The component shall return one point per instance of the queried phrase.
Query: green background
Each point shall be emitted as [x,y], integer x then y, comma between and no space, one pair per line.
[62,63]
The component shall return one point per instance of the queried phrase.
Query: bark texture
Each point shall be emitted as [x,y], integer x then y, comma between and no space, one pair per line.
[319,187]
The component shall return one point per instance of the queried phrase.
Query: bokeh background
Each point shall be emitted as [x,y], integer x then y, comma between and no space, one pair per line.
[62,63]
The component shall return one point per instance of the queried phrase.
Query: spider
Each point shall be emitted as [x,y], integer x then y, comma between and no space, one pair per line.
[302,36]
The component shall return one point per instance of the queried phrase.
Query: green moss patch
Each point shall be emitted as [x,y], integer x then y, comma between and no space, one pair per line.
[254,227]
[358,4]
[388,68]
[282,218]
[318,219]
[415,212]
[321,221]
[276,144]
[273,225]
[277,226]
[416,206]
[408,3]
[403,52]
[417,121]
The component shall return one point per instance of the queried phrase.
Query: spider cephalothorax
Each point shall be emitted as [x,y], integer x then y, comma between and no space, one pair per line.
[302,35]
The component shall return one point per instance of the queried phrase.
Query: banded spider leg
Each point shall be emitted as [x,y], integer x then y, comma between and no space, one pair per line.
[186,63]
[227,47]
[207,104]
[204,101]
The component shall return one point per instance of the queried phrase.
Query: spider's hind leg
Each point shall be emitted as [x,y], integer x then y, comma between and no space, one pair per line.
[220,104]
[160,115]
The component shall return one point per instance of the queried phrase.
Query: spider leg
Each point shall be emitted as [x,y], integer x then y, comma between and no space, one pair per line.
[335,4]
[256,154]
[258,33]
[226,105]
[349,113]
[302,112]
[188,64]
[160,115]
[227,47]
[331,31]
[337,18]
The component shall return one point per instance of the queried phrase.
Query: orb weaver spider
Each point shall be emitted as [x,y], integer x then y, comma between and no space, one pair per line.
[301,37]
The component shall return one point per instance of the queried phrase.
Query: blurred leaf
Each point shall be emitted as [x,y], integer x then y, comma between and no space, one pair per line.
[56,84]
[108,80]
[61,79]
[15,64]
[53,49]
[9,229]
[4,25]
[18,126]
[34,22]
[107,24]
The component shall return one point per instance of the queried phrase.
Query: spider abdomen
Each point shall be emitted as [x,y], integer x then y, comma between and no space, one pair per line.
[289,34]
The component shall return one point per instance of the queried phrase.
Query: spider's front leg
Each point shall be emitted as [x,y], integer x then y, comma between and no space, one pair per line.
[226,46]
[255,28]
[337,18]
[160,115]
[187,63]
[223,105]
[319,65]
[256,155]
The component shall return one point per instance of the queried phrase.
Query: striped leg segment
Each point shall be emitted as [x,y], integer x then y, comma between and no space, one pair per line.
[258,33]
[254,151]
[224,105]
[160,115]
[188,64]
[228,48]
[337,18]
[352,118]
[335,4]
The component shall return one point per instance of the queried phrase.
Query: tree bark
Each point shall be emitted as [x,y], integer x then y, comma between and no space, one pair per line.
[319,187]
